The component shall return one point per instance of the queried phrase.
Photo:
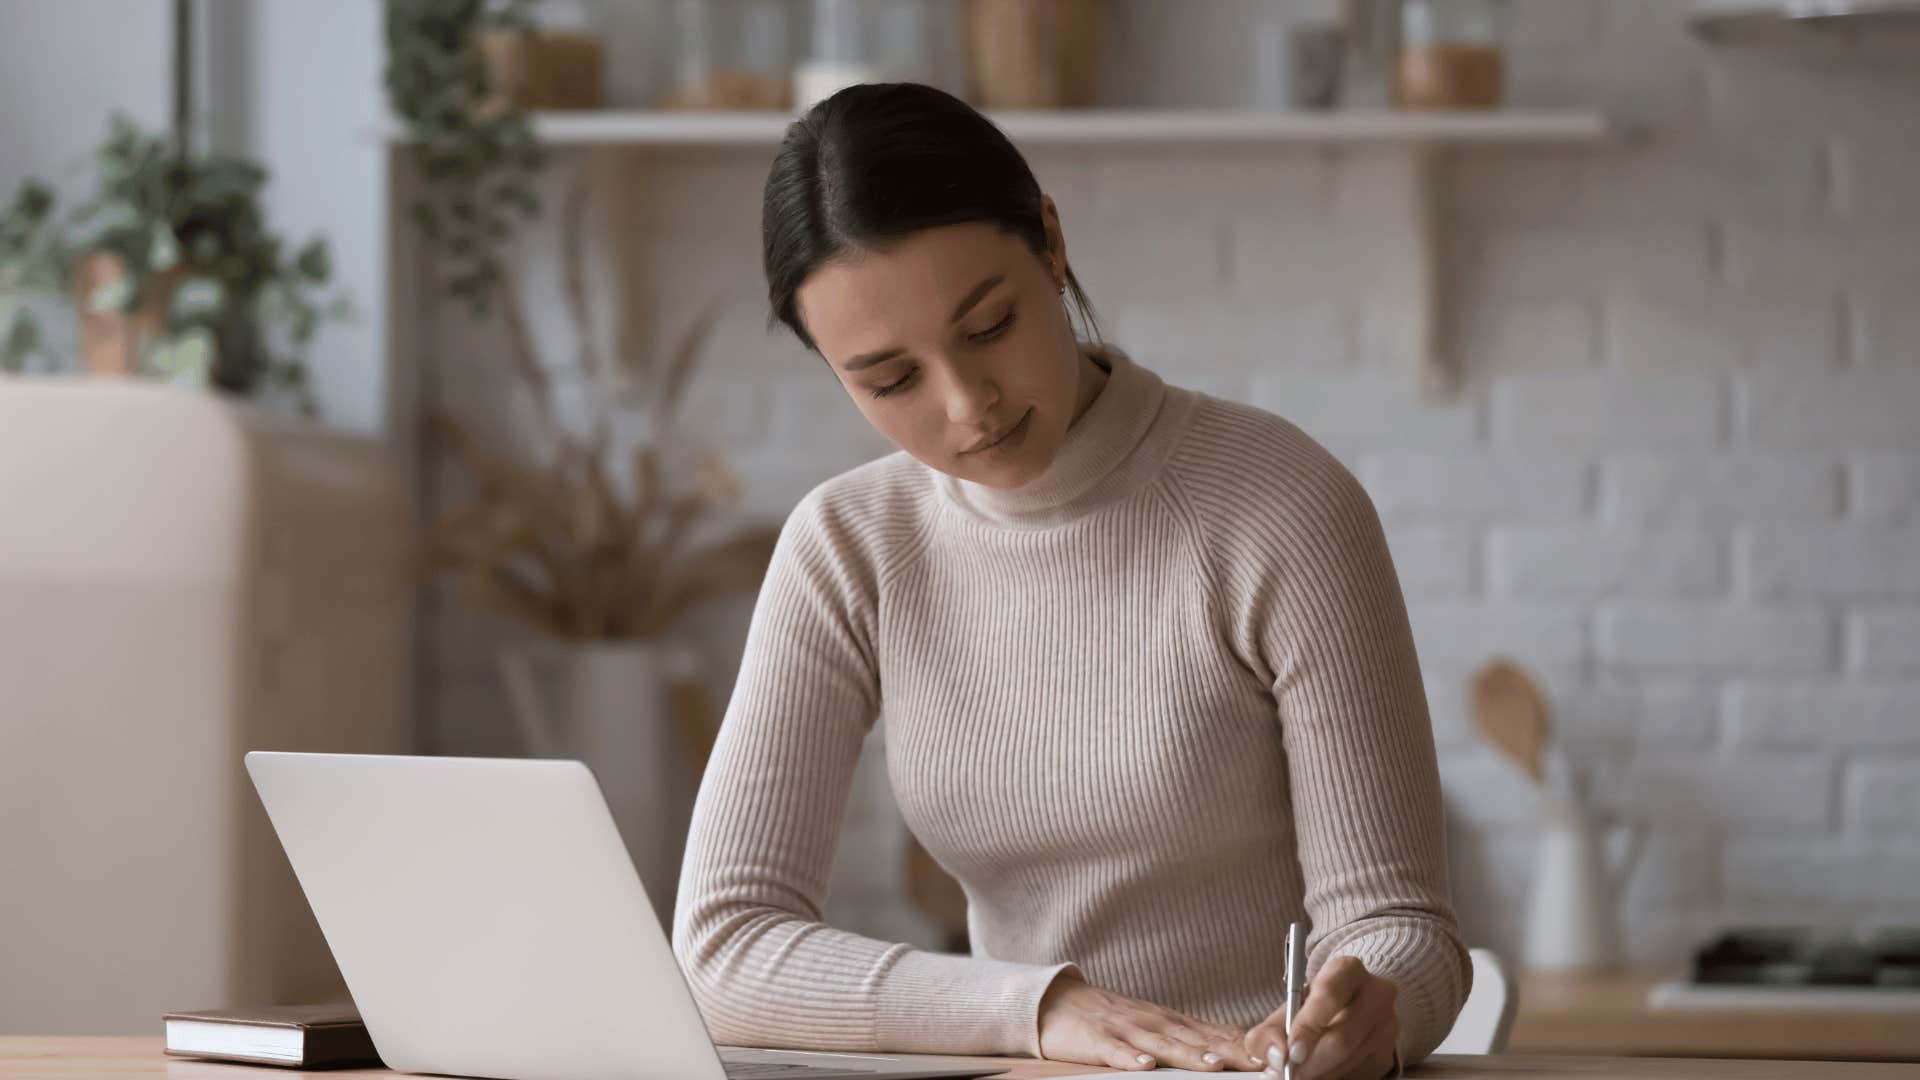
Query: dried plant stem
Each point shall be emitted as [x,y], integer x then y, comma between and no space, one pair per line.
[523,353]
[557,545]
[573,210]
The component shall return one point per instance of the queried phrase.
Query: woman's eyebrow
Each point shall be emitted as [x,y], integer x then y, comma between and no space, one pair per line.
[974,295]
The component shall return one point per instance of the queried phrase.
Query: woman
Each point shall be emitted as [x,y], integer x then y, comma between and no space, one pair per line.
[1148,687]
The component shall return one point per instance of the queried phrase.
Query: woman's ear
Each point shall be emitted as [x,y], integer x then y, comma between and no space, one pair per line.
[1056,241]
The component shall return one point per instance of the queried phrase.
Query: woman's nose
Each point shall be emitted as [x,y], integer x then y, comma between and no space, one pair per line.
[971,399]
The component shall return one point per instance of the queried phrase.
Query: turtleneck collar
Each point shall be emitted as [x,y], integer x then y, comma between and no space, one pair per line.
[1116,445]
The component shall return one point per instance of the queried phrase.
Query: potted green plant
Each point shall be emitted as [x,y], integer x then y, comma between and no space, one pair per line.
[472,145]
[169,264]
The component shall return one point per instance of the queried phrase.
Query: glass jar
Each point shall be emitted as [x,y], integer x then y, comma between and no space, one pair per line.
[1451,54]
[856,41]
[731,54]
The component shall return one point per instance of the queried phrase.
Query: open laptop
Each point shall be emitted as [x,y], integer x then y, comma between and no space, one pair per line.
[489,922]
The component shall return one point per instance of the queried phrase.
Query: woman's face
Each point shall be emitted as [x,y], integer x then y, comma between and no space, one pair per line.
[952,338]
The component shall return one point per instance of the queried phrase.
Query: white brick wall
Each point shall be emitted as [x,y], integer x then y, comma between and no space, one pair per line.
[1834,563]
[1585,563]
[1778,878]
[1708,329]
[1886,486]
[1886,641]
[1849,716]
[1476,485]
[1639,409]
[1681,479]
[1719,488]
[1884,797]
[1713,640]
[1748,793]
[1868,410]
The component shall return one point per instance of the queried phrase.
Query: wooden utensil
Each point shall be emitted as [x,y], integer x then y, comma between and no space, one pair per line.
[1511,713]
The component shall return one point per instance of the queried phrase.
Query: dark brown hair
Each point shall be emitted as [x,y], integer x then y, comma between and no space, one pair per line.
[879,161]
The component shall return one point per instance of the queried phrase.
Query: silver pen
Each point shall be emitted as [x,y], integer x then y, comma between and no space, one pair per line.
[1296,986]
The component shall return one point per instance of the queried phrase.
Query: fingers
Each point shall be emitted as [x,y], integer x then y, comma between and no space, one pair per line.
[1119,1053]
[1102,1028]
[1218,1039]
[1183,1049]
[1268,1035]
[1352,1051]
[1337,986]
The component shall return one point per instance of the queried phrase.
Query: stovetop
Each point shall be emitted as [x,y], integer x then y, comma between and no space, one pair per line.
[1808,957]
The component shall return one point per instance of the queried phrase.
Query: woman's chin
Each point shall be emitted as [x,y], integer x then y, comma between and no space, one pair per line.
[1004,475]
[1011,462]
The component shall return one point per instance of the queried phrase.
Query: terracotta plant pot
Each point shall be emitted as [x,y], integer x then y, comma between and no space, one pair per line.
[1027,55]
[111,342]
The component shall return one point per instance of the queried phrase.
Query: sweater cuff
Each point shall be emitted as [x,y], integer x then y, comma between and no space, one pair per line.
[1427,1002]
[939,1003]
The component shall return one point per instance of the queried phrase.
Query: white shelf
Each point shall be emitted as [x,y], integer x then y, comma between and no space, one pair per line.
[1403,149]
[1106,127]
[1791,21]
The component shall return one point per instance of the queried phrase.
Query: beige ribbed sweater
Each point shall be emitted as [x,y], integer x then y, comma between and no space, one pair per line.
[1147,708]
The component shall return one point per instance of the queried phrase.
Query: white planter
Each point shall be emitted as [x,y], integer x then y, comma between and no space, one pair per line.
[1572,921]
[611,707]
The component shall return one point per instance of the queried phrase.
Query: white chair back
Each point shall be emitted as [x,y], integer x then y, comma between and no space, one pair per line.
[1487,1017]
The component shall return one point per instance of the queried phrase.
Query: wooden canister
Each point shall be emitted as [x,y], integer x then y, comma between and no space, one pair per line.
[1025,54]
[548,69]
[1449,76]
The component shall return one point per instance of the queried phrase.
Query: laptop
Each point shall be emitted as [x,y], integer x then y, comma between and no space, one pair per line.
[489,922]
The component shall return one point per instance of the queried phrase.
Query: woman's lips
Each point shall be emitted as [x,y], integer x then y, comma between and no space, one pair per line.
[1003,436]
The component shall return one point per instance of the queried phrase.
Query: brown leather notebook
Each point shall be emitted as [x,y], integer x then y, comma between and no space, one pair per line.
[322,1035]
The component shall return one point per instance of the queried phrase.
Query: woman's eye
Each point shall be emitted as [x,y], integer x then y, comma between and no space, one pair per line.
[980,338]
[883,391]
[995,330]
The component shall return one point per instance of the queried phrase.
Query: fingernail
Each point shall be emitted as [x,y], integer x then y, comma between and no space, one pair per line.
[1144,1059]
[1210,1058]
[1298,1053]
[1274,1059]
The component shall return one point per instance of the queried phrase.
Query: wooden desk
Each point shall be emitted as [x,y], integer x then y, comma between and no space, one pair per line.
[1608,1014]
[83,1057]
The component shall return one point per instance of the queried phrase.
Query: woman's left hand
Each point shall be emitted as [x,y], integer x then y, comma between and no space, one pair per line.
[1345,1030]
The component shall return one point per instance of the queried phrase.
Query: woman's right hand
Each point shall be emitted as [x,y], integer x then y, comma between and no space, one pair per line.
[1085,1024]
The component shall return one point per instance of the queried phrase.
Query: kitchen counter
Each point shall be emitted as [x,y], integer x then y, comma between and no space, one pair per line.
[1608,1014]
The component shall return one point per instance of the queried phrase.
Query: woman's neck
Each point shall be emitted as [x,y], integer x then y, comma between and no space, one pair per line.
[1093,379]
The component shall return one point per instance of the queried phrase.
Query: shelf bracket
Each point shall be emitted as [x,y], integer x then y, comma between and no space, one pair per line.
[1408,176]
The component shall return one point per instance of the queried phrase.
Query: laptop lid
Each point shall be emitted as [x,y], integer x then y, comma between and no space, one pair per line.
[485,915]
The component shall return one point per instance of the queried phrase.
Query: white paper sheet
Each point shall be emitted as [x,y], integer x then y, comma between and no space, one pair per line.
[1157,1072]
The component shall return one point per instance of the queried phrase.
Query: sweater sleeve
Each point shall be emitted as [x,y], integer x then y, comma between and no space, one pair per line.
[1326,619]
[763,967]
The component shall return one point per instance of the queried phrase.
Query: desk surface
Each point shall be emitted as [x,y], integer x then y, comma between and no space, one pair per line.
[81,1057]
[1608,1014]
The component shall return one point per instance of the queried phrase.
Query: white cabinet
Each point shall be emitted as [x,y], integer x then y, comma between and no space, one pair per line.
[181,580]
